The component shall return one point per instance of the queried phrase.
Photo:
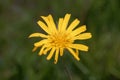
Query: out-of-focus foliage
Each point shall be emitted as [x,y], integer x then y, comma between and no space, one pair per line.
[18,19]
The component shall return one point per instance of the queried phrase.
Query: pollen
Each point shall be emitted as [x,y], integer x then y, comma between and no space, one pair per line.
[60,40]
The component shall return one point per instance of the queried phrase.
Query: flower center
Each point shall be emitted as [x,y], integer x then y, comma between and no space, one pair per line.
[60,40]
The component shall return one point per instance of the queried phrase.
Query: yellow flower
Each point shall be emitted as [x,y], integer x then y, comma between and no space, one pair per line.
[61,37]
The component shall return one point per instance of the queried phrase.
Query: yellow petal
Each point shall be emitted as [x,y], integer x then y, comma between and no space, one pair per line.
[73,53]
[50,23]
[46,50]
[41,50]
[46,20]
[56,55]
[43,26]
[34,49]
[61,51]
[78,30]
[77,52]
[65,22]
[83,36]
[53,26]
[73,25]
[40,43]
[51,53]
[79,47]
[60,24]
[38,35]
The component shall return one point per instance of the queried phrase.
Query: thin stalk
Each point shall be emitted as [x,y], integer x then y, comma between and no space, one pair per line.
[67,71]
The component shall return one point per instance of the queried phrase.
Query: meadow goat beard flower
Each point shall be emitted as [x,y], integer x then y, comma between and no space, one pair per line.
[61,37]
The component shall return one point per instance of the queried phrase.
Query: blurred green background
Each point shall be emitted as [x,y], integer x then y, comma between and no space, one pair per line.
[18,20]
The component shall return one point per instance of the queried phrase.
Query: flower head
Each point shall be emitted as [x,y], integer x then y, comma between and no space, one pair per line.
[60,37]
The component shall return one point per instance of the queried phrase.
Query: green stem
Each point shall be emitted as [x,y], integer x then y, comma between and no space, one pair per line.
[67,71]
